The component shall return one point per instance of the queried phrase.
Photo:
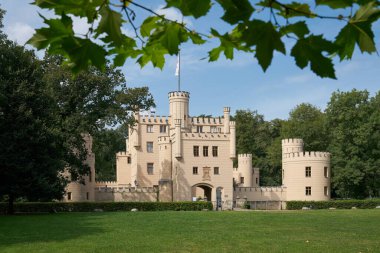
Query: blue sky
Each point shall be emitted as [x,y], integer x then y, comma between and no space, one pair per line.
[241,83]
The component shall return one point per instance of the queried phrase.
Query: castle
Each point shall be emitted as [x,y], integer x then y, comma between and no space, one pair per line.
[184,158]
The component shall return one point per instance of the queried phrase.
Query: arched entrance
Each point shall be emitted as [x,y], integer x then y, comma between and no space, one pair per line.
[201,191]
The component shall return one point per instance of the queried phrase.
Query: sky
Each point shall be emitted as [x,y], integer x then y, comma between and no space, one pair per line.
[240,83]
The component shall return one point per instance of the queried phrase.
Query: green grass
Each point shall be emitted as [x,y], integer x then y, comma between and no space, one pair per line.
[286,231]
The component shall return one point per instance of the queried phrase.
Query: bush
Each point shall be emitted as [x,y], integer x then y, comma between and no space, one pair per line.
[46,207]
[338,204]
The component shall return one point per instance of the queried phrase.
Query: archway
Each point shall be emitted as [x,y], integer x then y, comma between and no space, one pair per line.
[202,191]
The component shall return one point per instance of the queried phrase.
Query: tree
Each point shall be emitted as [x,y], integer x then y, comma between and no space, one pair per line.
[107,143]
[353,122]
[258,29]
[308,123]
[31,148]
[253,136]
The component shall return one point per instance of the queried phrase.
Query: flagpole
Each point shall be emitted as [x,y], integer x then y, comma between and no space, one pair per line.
[179,70]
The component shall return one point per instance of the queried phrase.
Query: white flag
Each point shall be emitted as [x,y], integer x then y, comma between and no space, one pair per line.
[177,68]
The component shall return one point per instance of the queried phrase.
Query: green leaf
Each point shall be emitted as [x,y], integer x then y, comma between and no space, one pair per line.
[56,30]
[110,24]
[215,53]
[358,31]
[266,39]
[335,4]
[148,25]
[236,10]
[195,8]
[310,50]
[300,29]
[196,38]
[80,8]
[154,54]
[169,36]
[296,9]
[83,52]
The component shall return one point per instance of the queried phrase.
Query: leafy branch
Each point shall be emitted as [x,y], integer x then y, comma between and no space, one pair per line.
[160,36]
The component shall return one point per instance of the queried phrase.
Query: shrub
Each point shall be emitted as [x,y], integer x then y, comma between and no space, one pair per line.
[45,207]
[338,204]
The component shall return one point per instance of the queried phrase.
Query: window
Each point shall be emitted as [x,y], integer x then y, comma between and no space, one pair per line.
[214,150]
[257,180]
[195,170]
[162,128]
[216,170]
[149,128]
[326,172]
[196,150]
[149,147]
[129,160]
[242,180]
[69,196]
[149,168]
[205,150]
[308,171]
[199,129]
[90,176]
[308,190]
[326,191]
[87,195]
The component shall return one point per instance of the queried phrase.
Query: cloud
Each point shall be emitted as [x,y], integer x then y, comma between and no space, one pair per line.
[19,32]
[301,78]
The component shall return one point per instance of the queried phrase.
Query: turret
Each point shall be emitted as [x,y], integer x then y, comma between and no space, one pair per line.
[232,139]
[134,131]
[179,108]
[178,141]
[292,146]
[245,169]
[226,120]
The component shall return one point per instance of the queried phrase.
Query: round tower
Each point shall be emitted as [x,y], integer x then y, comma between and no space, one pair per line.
[165,167]
[179,107]
[291,146]
[245,170]
[306,175]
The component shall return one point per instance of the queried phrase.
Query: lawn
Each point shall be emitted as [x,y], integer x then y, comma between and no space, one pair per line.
[286,231]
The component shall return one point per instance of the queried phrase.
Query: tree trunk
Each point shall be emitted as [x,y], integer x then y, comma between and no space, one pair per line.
[10,205]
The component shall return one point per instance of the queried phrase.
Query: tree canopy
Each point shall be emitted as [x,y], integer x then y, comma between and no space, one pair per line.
[44,112]
[259,28]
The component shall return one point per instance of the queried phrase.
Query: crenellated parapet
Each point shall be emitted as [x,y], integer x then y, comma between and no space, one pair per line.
[292,141]
[150,119]
[175,94]
[122,154]
[261,189]
[211,121]
[306,156]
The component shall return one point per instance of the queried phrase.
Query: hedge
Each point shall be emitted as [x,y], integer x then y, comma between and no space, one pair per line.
[46,207]
[338,204]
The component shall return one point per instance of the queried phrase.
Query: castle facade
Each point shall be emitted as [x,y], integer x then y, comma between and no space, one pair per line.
[184,158]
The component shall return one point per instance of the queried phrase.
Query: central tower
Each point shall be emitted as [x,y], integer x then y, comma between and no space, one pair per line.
[179,108]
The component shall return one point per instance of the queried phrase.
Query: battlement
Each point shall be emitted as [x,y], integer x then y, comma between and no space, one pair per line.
[184,94]
[312,155]
[154,119]
[205,136]
[207,121]
[232,124]
[291,141]
[226,109]
[177,122]
[245,156]
[122,153]
[164,140]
